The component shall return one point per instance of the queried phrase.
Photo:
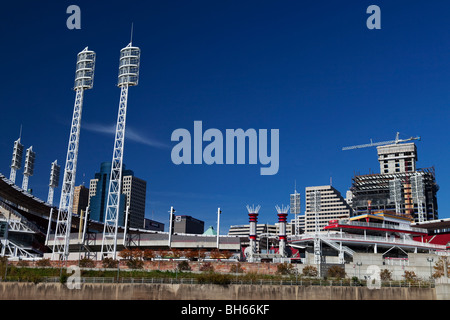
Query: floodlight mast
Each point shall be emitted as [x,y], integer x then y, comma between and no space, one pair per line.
[128,76]
[29,167]
[84,80]
[54,181]
[16,162]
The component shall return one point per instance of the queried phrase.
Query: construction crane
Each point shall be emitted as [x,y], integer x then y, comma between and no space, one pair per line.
[372,144]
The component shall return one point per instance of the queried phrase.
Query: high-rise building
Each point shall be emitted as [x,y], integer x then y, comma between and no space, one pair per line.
[300,225]
[329,205]
[393,188]
[92,189]
[80,199]
[135,189]
[133,195]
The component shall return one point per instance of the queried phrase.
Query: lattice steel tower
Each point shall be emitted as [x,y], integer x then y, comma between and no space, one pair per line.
[128,76]
[84,79]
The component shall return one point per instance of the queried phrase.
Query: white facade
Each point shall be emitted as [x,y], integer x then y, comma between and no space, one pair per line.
[332,206]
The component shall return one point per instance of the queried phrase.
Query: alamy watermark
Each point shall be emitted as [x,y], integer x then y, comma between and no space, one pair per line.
[373,277]
[74,20]
[74,280]
[235,142]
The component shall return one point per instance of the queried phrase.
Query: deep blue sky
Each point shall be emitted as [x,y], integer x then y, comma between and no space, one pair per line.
[311,69]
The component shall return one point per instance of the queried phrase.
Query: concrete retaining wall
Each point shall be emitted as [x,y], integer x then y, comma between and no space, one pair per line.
[57,291]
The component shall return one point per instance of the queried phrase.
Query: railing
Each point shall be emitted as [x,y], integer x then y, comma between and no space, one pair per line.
[237,281]
[355,237]
[383,225]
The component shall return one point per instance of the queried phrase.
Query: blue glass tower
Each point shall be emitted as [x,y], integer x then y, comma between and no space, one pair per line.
[98,202]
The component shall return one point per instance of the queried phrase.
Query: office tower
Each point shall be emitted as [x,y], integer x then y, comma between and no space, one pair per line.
[135,190]
[132,195]
[80,199]
[331,205]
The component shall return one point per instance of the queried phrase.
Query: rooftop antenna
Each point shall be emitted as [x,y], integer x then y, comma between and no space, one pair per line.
[131,37]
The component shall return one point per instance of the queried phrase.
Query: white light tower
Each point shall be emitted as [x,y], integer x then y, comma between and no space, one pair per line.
[128,76]
[16,162]
[282,218]
[28,169]
[84,79]
[54,181]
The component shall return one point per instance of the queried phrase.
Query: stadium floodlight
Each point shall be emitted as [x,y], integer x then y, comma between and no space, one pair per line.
[128,76]
[84,80]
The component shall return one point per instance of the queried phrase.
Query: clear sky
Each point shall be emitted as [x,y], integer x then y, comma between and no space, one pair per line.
[311,69]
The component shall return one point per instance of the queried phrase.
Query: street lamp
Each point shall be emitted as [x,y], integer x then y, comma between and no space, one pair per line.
[430,260]
[359,264]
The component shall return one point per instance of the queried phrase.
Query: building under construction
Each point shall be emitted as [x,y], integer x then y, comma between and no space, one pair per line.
[399,187]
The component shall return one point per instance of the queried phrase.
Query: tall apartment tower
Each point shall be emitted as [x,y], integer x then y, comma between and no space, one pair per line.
[332,206]
[135,190]
[132,195]
[80,199]
[392,189]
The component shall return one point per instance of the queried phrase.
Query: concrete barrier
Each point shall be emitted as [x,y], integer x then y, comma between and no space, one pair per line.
[122,291]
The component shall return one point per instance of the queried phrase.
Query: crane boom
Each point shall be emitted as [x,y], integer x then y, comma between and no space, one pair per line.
[372,144]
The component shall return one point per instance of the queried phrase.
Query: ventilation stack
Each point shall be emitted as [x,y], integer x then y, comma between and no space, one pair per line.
[282,218]
[253,219]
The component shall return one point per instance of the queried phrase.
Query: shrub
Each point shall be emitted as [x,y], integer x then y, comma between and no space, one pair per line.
[336,272]
[439,268]
[149,254]
[3,264]
[135,264]
[410,276]
[137,254]
[43,263]
[207,266]
[109,263]
[310,271]
[385,275]
[236,268]
[87,263]
[126,254]
[63,278]
[285,268]
[214,278]
[23,263]
[184,266]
